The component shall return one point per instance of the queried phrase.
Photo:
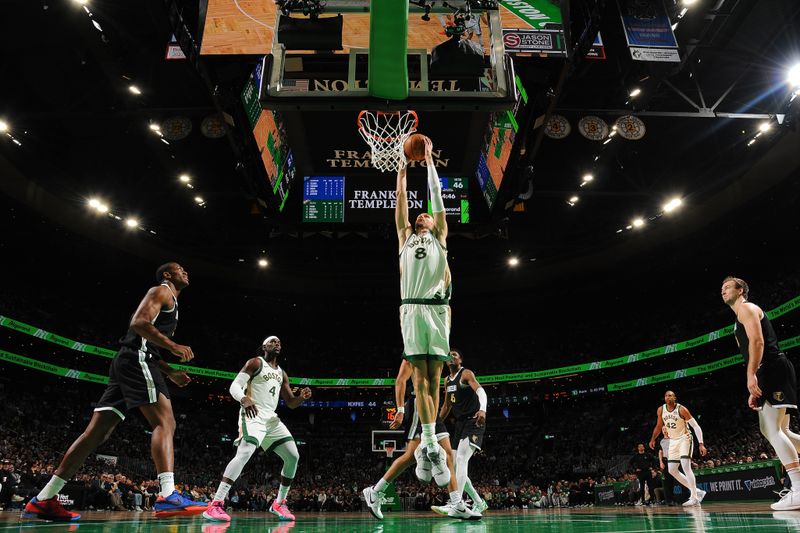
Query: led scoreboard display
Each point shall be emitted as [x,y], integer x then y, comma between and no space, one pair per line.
[363,199]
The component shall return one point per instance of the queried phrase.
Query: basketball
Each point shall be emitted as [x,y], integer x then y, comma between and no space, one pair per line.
[414,147]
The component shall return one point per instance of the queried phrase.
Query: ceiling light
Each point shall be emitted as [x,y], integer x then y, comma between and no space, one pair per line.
[689,2]
[637,223]
[94,203]
[794,76]
[752,142]
[3,126]
[134,89]
[765,126]
[263,263]
[635,92]
[131,222]
[574,200]
[81,2]
[612,133]
[155,127]
[199,199]
[607,141]
[672,205]
[513,261]
[587,178]
[185,178]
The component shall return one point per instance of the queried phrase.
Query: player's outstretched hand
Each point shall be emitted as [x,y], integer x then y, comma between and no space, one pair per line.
[751,401]
[480,419]
[428,149]
[250,409]
[398,420]
[179,378]
[184,353]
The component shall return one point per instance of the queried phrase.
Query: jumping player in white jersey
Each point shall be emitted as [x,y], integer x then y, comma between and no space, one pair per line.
[258,388]
[673,419]
[771,382]
[425,288]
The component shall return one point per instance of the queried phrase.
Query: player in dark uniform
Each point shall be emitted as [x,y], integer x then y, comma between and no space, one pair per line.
[467,400]
[771,382]
[135,382]
[408,418]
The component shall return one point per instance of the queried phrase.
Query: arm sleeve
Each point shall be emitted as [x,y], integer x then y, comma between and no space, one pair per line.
[435,186]
[238,386]
[482,398]
[697,430]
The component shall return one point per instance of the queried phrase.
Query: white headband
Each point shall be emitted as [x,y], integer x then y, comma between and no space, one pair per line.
[270,338]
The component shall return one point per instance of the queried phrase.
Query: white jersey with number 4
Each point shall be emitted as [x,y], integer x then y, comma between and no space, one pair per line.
[673,423]
[265,389]
[424,273]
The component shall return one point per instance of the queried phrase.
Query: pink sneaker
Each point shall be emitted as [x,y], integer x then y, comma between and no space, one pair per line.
[280,510]
[216,512]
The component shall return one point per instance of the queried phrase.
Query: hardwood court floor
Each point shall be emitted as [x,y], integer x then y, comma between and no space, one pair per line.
[712,517]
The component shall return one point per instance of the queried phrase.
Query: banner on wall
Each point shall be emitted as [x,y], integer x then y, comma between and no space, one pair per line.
[648,31]
[546,34]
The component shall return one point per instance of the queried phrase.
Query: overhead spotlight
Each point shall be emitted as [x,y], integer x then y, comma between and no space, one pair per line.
[155,127]
[94,203]
[637,223]
[672,205]
[689,2]
[794,76]
[199,200]
[134,89]
[635,92]
[752,142]
[131,222]
[587,178]
[574,200]
[263,263]
[765,126]
[607,141]
[513,261]
[3,126]
[185,178]
[81,2]
[613,132]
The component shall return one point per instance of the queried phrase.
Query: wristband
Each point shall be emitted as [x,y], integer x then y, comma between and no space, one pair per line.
[401,410]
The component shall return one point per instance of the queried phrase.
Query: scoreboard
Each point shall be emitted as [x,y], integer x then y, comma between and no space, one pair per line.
[365,199]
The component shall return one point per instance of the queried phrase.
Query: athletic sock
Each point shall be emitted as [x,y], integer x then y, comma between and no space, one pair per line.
[167,482]
[222,491]
[380,486]
[428,434]
[55,485]
[455,497]
[282,492]
[794,475]
[470,490]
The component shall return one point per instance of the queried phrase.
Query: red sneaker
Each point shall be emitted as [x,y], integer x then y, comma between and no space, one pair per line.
[280,510]
[48,510]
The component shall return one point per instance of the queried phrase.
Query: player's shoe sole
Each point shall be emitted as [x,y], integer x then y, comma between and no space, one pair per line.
[186,511]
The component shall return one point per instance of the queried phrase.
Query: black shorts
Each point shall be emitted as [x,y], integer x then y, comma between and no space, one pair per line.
[413,426]
[134,380]
[466,428]
[778,383]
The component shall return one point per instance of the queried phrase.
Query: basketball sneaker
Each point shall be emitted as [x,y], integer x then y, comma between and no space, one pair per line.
[374,499]
[441,474]
[280,510]
[480,506]
[790,501]
[461,511]
[700,495]
[423,469]
[691,502]
[216,512]
[177,505]
[50,509]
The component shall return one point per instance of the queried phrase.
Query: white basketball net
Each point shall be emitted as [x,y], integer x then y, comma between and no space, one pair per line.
[385,133]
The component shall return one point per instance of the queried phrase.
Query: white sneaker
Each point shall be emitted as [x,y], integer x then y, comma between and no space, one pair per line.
[789,502]
[441,474]
[691,502]
[423,469]
[700,495]
[374,499]
[480,507]
[442,509]
[460,510]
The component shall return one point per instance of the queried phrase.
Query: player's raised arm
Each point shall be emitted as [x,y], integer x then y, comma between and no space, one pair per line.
[435,188]
[293,400]
[657,429]
[401,207]
[142,322]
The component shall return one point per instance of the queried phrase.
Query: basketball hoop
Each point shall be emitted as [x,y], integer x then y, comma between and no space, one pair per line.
[389,447]
[385,132]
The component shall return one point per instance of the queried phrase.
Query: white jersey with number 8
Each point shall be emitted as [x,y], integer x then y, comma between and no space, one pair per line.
[424,273]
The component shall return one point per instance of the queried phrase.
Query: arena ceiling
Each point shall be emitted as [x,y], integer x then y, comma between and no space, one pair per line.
[67,70]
